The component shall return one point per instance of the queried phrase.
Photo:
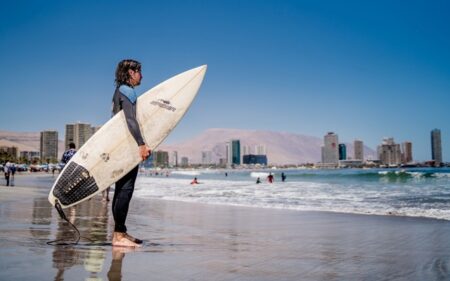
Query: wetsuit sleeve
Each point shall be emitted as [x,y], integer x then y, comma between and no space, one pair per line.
[129,110]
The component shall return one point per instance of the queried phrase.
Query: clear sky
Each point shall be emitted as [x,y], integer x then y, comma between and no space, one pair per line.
[362,69]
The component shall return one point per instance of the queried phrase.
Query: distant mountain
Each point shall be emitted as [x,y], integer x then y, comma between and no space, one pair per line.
[282,147]
[27,141]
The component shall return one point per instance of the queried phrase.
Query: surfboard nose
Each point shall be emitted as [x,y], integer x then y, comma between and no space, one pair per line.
[202,69]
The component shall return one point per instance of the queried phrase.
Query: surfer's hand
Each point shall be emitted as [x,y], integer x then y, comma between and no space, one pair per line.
[144,151]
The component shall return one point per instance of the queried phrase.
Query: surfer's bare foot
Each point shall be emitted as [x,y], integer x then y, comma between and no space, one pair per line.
[121,239]
[131,238]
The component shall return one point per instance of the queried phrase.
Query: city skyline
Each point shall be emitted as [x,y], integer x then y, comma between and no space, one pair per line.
[364,70]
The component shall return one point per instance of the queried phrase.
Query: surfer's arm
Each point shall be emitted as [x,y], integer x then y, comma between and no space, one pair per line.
[129,110]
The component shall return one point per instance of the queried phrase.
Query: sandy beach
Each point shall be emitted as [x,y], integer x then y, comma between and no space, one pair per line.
[189,241]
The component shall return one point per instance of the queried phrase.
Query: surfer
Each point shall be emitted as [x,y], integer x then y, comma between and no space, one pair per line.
[270,178]
[128,76]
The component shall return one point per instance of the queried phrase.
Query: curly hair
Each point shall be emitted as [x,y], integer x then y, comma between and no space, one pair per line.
[122,75]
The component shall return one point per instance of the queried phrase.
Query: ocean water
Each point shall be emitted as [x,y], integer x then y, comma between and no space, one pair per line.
[423,192]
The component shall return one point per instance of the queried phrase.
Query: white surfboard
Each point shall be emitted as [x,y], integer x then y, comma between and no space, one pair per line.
[112,151]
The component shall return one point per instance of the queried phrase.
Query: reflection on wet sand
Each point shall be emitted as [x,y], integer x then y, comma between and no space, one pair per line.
[186,241]
[91,219]
[115,270]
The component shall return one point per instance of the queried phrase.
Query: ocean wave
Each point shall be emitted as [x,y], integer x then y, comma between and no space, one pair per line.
[401,200]
[186,173]
[259,174]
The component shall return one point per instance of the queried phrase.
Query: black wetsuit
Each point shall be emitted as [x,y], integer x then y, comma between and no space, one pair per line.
[125,186]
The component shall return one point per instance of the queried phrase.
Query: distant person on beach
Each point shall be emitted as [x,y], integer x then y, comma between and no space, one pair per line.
[258,180]
[270,178]
[194,181]
[12,170]
[283,177]
[68,154]
[7,172]
[127,77]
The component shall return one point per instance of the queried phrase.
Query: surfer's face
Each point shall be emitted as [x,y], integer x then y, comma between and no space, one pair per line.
[135,77]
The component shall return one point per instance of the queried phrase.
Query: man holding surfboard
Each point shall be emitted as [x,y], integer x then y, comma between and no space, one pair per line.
[128,76]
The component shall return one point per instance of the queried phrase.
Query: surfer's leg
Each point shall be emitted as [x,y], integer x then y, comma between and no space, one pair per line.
[122,197]
[121,202]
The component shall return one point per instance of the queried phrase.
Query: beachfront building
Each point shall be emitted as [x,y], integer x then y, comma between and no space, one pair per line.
[184,161]
[49,146]
[342,151]
[30,156]
[206,157]
[407,156]
[8,153]
[436,148]
[173,159]
[330,150]
[358,150]
[160,159]
[389,153]
[78,133]
[251,159]
[233,152]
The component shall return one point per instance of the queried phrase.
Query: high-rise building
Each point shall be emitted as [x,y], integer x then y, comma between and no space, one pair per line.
[436,147]
[160,158]
[407,156]
[49,146]
[389,152]
[330,150]
[233,152]
[174,159]
[358,150]
[342,151]
[78,133]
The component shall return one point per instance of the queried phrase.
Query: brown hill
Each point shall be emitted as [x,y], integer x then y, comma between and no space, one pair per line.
[282,147]
[27,141]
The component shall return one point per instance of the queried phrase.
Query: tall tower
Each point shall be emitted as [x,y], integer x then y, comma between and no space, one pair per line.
[330,150]
[78,133]
[342,151]
[49,146]
[436,148]
[358,148]
[407,152]
[233,152]
[389,152]
[236,152]
[174,159]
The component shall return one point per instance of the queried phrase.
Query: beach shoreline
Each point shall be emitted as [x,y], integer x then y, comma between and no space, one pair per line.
[196,241]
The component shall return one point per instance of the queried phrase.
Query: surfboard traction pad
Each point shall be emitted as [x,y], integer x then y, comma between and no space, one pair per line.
[74,185]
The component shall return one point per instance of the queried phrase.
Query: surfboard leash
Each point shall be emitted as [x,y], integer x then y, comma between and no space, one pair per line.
[63,242]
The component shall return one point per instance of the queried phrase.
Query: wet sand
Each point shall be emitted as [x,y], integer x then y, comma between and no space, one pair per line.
[187,241]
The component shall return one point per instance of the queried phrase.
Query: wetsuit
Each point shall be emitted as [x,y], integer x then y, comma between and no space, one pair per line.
[125,99]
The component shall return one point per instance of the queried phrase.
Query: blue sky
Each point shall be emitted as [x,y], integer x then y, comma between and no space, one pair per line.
[363,69]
